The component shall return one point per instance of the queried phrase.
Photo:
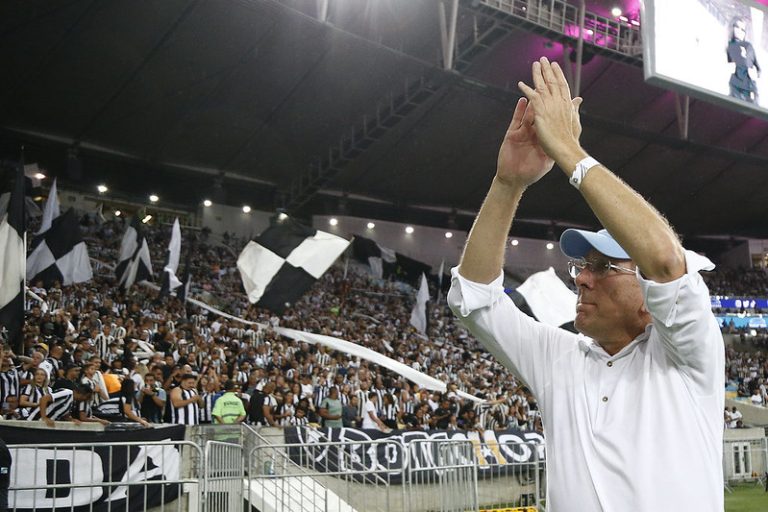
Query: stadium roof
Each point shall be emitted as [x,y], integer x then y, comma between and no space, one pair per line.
[261,102]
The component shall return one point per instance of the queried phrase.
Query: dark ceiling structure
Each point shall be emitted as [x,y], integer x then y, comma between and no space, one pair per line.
[348,107]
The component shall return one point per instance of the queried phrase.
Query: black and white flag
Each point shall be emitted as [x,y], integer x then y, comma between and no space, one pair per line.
[52,209]
[170,281]
[134,264]
[60,254]
[280,265]
[12,264]
[385,262]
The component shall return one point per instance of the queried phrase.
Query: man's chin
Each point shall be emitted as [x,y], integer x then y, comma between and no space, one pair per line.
[580,324]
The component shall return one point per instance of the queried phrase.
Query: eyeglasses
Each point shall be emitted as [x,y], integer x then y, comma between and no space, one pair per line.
[599,268]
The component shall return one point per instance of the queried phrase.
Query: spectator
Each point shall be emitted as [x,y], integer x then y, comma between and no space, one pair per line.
[152,398]
[370,419]
[229,407]
[349,415]
[331,409]
[185,401]
[121,407]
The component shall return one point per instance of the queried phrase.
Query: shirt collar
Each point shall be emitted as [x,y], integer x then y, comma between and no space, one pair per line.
[589,345]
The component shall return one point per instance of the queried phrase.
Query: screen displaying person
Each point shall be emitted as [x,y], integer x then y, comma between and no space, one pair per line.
[745,69]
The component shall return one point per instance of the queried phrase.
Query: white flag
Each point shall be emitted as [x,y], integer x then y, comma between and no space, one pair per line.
[419,312]
[440,280]
[550,300]
[174,251]
[52,209]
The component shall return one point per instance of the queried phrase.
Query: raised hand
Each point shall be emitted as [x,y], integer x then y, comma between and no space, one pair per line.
[555,114]
[521,159]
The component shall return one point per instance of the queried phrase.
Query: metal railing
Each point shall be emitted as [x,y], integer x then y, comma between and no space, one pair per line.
[558,18]
[223,476]
[74,476]
[391,475]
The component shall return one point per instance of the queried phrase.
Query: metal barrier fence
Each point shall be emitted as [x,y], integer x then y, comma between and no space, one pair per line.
[519,482]
[325,476]
[227,466]
[447,482]
[389,475]
[223,476]
[75,476]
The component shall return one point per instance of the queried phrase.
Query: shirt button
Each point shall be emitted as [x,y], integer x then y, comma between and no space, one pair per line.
[609,363]
[605,399]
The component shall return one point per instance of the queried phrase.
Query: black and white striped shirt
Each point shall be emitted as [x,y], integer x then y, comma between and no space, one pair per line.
[380,402]
[84,406]
[290,412]
[408,406]
[362,397]
[33,394]
[206,409]
[323,359]
[111,407]
[28,374]
[9,385]
[298,422]
[59,407]
[102,342]
[321,391]
[188,414]
[390,411]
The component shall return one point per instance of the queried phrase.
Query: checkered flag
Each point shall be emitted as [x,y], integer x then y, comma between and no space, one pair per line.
[12,262]
[284,261]
[60,254]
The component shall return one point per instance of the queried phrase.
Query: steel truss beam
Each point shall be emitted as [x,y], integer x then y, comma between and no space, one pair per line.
[389,114]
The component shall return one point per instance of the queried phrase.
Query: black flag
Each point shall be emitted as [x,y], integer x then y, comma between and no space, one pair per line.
[13,253]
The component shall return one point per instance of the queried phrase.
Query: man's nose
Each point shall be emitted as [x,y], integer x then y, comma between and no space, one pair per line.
[585,278]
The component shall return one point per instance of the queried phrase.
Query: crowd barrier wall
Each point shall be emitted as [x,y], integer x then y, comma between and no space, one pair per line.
[218,468]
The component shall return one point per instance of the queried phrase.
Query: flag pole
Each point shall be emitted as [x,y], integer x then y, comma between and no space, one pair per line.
[19,349]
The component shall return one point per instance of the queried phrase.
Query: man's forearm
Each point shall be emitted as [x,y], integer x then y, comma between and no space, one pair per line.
[483,255]
[635,224]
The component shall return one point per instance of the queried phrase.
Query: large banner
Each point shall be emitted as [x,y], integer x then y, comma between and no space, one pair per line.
[86,471]
[403,452]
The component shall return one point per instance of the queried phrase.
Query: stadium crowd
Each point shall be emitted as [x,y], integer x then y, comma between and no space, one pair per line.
[131,356]
[101,354]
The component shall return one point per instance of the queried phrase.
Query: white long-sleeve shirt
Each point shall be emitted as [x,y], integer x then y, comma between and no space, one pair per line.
[641,430]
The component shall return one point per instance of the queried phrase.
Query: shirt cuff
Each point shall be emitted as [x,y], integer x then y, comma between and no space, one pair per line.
[662,299]
[468,296]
